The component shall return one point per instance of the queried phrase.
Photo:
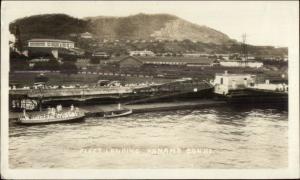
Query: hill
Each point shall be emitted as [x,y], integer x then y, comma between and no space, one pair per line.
[177,35]
[140,26]
[157,26]
[48,26]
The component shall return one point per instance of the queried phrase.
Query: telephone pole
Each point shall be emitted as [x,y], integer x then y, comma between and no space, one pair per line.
[244,47]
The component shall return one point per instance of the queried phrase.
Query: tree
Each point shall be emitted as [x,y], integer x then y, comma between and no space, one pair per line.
[68,68]
[18,61]
[68,57]
[18,43]
[95,60]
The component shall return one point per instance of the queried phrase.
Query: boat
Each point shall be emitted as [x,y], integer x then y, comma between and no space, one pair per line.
[53,116]
[244,89]
[120,112]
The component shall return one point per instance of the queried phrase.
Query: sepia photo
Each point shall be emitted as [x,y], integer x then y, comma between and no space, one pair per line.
[149,89]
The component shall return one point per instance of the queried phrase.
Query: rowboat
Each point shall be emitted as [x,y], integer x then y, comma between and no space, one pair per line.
[114,114]
[118,113]
[53,116]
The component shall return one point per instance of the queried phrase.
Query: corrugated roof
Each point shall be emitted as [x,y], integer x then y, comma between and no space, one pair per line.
[51,40]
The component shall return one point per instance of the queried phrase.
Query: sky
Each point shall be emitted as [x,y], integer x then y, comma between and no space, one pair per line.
[264,22]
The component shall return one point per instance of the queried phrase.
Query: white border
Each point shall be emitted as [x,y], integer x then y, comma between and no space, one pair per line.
[291,172]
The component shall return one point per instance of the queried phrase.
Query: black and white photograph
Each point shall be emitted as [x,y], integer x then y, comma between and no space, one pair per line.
[149,89]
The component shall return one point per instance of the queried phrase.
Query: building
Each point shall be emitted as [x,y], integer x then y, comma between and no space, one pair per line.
[101,55]
[234,63]
[51,43]
[170,61]
[223,56]
[141,53]
[224,82]
[271,86]
[86,35]
[130,62]
[178,61]
[199,64]
[195,55]
[82,63]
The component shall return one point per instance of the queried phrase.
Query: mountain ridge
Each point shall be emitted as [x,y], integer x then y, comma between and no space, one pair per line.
[138,26]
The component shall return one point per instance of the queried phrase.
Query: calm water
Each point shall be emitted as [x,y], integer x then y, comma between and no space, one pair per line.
[201,138]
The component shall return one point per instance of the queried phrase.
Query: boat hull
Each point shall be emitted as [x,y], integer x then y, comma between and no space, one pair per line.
[118,115]
[255,97]
[52,121]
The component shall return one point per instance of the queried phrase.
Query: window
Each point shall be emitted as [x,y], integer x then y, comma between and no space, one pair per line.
[221,80]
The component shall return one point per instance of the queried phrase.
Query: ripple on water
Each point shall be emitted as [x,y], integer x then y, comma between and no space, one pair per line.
[237,139]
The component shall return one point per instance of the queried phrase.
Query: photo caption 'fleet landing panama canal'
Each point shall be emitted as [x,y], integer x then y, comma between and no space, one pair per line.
[144,90]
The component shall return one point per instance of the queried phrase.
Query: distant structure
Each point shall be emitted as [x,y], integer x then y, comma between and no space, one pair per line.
[238,63]
[130,62]
[244,47]
[102,55]
[224,82]
[137,62]
[51,43]
[86,35]
[141,53]
[195,54]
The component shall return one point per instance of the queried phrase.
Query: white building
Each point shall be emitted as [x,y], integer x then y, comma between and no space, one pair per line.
[86,35]
[193,54]
[252,64]
[52,43]
[141,53]
[272,87]
[224,82]
[100,54]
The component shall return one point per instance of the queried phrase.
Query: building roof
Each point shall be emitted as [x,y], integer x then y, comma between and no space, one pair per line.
[188,60]
[145,59]
[141,51]
[39,60]
[241,61]
[230,75]
[86,33]
[48,49]
[131,57]
[51,40]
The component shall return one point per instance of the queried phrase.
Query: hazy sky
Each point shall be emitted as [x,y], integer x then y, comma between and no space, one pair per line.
[265,23]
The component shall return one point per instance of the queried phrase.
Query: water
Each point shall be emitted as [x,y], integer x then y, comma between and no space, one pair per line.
[223,137]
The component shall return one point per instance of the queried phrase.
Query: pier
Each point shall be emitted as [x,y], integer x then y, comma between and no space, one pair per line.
[135,94]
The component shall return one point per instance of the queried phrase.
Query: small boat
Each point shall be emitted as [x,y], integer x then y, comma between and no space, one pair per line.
[53,116]
[118,113]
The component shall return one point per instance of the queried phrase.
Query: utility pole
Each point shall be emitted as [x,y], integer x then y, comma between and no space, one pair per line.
[244,47]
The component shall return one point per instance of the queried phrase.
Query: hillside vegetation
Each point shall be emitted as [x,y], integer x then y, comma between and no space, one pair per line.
[140,26]
[167,33]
